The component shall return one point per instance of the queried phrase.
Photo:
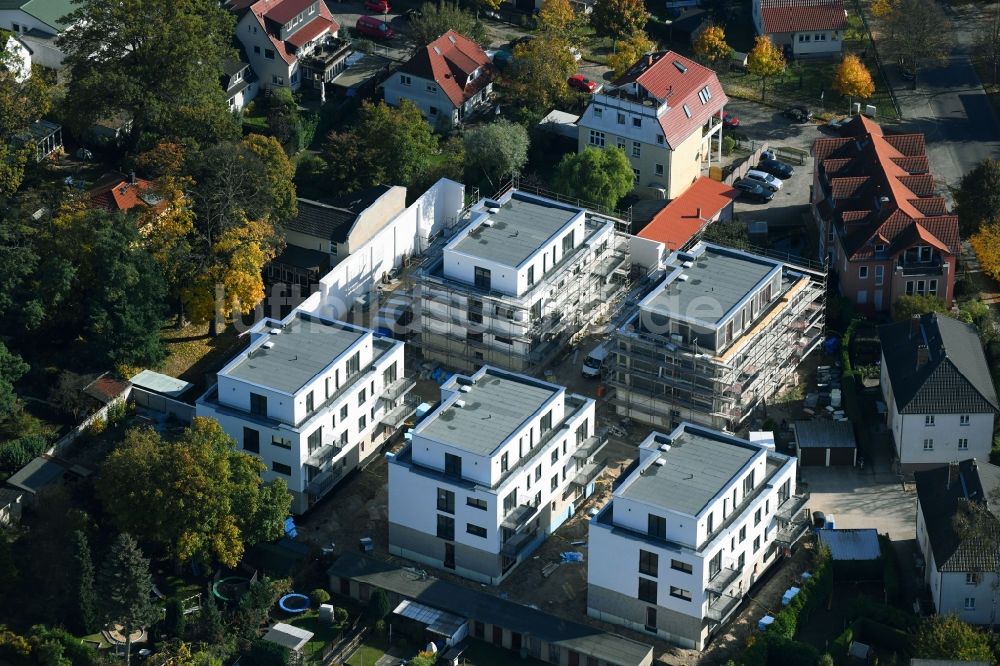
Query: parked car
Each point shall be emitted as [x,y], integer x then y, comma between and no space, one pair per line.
[837,124]
[798,114]
[729,120]
[380,6]
[581,83]
[776,168]
[753,190]
[371,26]
[765,179]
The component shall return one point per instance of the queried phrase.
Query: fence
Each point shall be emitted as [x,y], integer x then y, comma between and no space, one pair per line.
[341,652]
[181,411]
[878,60]
[749,162]
[101,414]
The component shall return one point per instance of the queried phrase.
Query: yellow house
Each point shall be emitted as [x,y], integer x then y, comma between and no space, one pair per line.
[666,114]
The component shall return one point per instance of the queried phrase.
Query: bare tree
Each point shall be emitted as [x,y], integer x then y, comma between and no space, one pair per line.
[919,33]
[987,48]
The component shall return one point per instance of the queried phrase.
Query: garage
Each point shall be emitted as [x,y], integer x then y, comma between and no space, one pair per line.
[825,443]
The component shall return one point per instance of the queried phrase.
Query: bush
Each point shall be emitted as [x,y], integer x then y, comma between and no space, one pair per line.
[340,615]
[16,453]
[995,451]
[728,143]
[791,653]
[265,653]
[842,643]
[96,427]
[319,596]
[117,412]
[890,572]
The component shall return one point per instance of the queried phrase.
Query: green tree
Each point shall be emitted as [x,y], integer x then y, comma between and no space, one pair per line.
[253,609]
[601,176]
[947,637]
[378,604]
[125,586]
[918,33]
[619,18]
[12,368]
[21,102]
[987,46]
[211,628]
[494,152]
[211,502]
[436,19]
[905,307]
[9,575]
[279,178]
[536,80]
[160,62]
[978,314]
[319,596]
[266,653]
[283,119]
[765,61]
[18,261]
[977,199]
[86,596]
[174,620]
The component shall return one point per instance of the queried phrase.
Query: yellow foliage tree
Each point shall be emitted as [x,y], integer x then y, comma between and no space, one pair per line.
[765,60]
[986,243]
[629,51]
[711,45]
[853,78]
[165,231]
[882,8]
[556,15]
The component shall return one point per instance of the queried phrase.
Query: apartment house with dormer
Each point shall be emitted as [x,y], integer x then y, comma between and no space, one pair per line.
[499,464]
[313,398]
[290,43]
[882,226]
[695,522]
[666,114]
[802,28]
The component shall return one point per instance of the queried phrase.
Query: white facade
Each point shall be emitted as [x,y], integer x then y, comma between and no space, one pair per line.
[19,59]
[428,96]
[331,423]
[683,582]
[42,41]
[500,503]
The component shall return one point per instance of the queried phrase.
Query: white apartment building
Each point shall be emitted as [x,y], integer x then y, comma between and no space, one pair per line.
[313,398]
[501,462]
[522,276]
[939,395]
[722,332]
[689,531]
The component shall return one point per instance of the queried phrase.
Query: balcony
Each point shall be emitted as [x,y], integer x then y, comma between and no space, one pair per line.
[515,544]
[791,509]
[721,607]
[589,448]
[519,516]
[399,387]
[723,579]
[396,416]
[321,457]
[915,268]
[588,473]
[324,482]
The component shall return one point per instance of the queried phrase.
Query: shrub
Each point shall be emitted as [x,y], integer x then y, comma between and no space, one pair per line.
[791,653]
[728,143]
[16,453]
[319,596]
[842,643]
[340,615]
[265,653]
[117,412]
[890,573]
[96,427]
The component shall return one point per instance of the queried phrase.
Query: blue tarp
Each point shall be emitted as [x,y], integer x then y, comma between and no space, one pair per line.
[572,557]
[290,531]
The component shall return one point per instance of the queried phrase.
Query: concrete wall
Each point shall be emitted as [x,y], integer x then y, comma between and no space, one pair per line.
[646,253]
[374,218]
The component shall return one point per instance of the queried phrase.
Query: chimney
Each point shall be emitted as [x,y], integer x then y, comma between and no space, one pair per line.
[922,355]
[649,59]
[914,325]
[698,212]
[131,177]
[953,473]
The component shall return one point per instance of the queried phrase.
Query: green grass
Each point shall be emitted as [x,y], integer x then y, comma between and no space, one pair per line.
[369,652]
[324,633]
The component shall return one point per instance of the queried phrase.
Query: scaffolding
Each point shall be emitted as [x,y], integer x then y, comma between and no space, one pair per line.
[662,380]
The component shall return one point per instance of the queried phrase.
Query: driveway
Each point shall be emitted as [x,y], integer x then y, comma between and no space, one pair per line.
[861,498]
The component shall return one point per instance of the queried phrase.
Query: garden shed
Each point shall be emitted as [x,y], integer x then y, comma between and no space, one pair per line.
[825,443]
[855,554]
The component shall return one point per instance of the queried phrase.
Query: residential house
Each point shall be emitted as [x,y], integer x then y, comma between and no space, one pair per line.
[518,278]
[38,23]
[15,56]
[10,506]
[881,224]
[490,473]
[313,398]
[121,193]
[325,232]
[721,333]
[685,219]
[240,84]
[110,130]
[290,41]
[694,523]
[802,28]
[960,569]
[665,113]
[940,398]
[446,80]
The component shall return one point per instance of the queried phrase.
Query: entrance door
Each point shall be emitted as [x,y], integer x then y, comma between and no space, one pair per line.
[574,658]
[862,296]
[878,299]
[497,635]
[449,555]
[515,640]
[650,618]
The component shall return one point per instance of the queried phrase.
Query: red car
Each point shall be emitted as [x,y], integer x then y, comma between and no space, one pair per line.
[380,6]
[729,120]
[370,26]
[581,83]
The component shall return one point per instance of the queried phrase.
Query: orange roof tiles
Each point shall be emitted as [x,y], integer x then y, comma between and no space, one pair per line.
[780,16]
[118,194]
[684,217]
[273,10]
[450,61]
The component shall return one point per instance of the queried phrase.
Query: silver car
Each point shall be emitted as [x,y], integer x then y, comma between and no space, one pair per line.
[765,179]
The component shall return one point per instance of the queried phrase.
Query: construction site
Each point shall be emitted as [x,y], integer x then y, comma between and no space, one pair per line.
[722,333]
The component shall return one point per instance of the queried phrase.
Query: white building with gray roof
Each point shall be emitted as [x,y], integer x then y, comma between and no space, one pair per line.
[490,472]
[722,332]
[693,523]
[313,398]
[517,281]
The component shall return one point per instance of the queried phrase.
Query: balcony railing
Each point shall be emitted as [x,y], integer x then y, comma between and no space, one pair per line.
[519,516]
[721,607]
[323,455]
[588,473]
[324,482]
[398,388]
[396,416]
[723,579]
[791,509]
[590,447]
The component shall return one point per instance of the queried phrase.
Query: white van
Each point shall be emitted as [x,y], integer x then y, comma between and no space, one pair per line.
[594,362]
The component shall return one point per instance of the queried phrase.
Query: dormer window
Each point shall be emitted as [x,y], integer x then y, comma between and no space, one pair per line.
[704,95]
[879,248]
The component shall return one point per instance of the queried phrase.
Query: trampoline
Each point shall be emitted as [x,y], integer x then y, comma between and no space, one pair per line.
[231,589]
[294,603]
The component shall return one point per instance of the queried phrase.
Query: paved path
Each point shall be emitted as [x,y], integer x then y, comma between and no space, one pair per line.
[863,498]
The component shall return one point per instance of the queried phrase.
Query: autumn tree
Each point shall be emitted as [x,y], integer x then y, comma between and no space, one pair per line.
[619,18]
[765,61]
[279,177]
[211,502]
[435,19]
[905,306]
[947,637]
[21,102]
[853,78]
[598,175]
[987,45]
[986,244]
[977,198]
[919,33]
[536,80]
[711,46]
[125,587]
[882,9]
[494,152]
[629,51]
[557,17]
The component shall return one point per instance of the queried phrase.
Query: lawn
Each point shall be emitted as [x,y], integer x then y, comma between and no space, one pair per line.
[191,352]
[369,652]
[324,633]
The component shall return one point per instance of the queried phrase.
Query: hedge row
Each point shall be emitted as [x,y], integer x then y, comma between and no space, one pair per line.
[890,571]
[875,634]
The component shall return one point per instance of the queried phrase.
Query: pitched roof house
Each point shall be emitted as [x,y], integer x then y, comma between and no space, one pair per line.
[121,193]
[886,231]
[939,395]
[446,79]
[239,82]
[685,218]
[803,28]
[38,23]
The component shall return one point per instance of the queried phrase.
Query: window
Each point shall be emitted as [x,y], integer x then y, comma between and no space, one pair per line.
[446,527]
[310,403]
[251,440]
[932,287]
[743,534]
[928,445]
[474,336]
[538,472]
[647,590]
[656,526]
[636,148]
[256,50]
[636,172]
[963,420]
[710,523]
[863,272]
[531,275]
[476,503]
[598,112]
[269,54]
[452,465]
[555,456]
[970,603]
[389,375]
[446,500]
[354,364]
[258,404]
[929,420]
[475,530]
[658,169]
[503,340]
[924,252]
[683,567]
[433,110]
[362,421]
[281,468]
[621,118]
[741,561]
[504,463]
[510,501]
[659,139]
[879,275]
[482,278]
[748,481]
[756,518]
[963,444]
[756,544]
[687,110]
[315,439]
[343,412]
[715,565]
[909,287]
[362,397]
[554,483]
[405,80]
[650,619]
[431,88]
[567,243]
[281,442]
[597,138]
[971,579]
[637,122]
[679,593]
[649,563]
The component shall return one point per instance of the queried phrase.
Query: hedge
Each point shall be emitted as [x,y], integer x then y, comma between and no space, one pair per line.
[883,614]
[872,633]
[890,572]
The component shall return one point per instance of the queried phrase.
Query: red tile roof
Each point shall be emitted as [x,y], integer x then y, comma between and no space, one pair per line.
[116,193]
[677,80]
[309,32]
[687,215]
[880,189]
[781,16]
[450,60]
[274,10]
[284,11]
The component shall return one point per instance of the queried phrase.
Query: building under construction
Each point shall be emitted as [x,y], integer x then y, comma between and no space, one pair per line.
[721,333]
[522,275]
